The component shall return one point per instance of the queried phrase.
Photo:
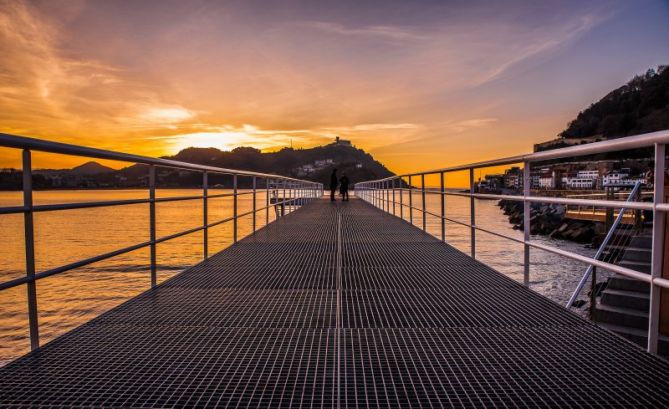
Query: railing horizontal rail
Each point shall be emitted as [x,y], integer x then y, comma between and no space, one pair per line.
[13,209]
[290,193]
[613,145]
[33,144]
[13,283]
[90,260]
[179,234]
[178,198]
[556,200]
[216,223]
[87,205]
[382,194]
[109,203]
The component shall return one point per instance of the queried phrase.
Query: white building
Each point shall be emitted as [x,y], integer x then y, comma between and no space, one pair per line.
[621,178]
[547,181]
[614,178]
[587,174]
[323,163]
[581,183]
[583,179]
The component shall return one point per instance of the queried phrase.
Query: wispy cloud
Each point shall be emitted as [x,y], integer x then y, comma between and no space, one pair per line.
[374,31]
[166,115]
[468,124]
[46,91]
[536,42]
[372,127]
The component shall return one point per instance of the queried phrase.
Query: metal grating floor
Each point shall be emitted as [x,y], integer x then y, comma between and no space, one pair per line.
[338,305]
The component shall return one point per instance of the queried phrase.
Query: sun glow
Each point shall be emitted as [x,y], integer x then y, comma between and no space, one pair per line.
[225,141]
[166,115]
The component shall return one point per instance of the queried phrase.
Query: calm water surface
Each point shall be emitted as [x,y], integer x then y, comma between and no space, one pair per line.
[70,299]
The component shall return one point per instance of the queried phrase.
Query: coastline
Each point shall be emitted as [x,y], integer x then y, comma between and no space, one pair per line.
[551,221]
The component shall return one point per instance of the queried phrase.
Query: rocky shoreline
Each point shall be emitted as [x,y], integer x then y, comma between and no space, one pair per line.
[549,220]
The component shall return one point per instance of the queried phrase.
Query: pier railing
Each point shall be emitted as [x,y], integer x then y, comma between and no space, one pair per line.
[383,193]
[610,238]
[288,193]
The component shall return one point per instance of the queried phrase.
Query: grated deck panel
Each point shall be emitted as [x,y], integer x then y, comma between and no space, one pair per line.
[338,305]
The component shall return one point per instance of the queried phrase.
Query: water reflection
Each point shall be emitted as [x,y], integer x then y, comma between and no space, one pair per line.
[72,298]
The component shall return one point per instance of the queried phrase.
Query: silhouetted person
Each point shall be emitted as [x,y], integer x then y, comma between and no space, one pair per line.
[343,188]
[333,184]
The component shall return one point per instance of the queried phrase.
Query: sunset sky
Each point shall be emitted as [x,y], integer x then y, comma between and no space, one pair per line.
[419,84]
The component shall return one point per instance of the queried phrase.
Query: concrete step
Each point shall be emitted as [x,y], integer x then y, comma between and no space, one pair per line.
[644,241]
[620,282]
[639,266]
[637,254]
[624,317]
[639,337]
[626,299]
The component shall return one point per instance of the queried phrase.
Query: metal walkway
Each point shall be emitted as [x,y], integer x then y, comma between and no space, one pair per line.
[338,305]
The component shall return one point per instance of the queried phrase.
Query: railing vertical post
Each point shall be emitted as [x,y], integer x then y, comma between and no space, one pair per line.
[381,193]
[379,197]
[254,204]
[29,236]
[205,213]
[283,197]
[152,224]
[388,196]
[401,199]
[234,208]
[410,201]
[267,182]
[593,292]
[422,187]
[393,184]
[472,211]
[657,249]
[374,194]
[443,208]
[526,223]
[382,203]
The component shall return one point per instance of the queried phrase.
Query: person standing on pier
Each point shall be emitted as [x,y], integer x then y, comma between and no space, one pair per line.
[333,184]
[343,189]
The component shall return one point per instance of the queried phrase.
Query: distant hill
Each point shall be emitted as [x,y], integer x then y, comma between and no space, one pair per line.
[640,106]
[313,164]
[91,168]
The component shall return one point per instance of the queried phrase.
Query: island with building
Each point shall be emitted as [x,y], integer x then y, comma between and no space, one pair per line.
[315,164]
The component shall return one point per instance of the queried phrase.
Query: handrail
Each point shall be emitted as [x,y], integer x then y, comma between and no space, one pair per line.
[34,144]
[612,145]
[602,246]
[377,193]
[291,188]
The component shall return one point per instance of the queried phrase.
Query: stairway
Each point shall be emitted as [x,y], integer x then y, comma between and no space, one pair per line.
[623,307]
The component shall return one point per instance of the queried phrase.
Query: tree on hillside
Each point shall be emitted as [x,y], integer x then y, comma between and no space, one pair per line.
[640,106]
